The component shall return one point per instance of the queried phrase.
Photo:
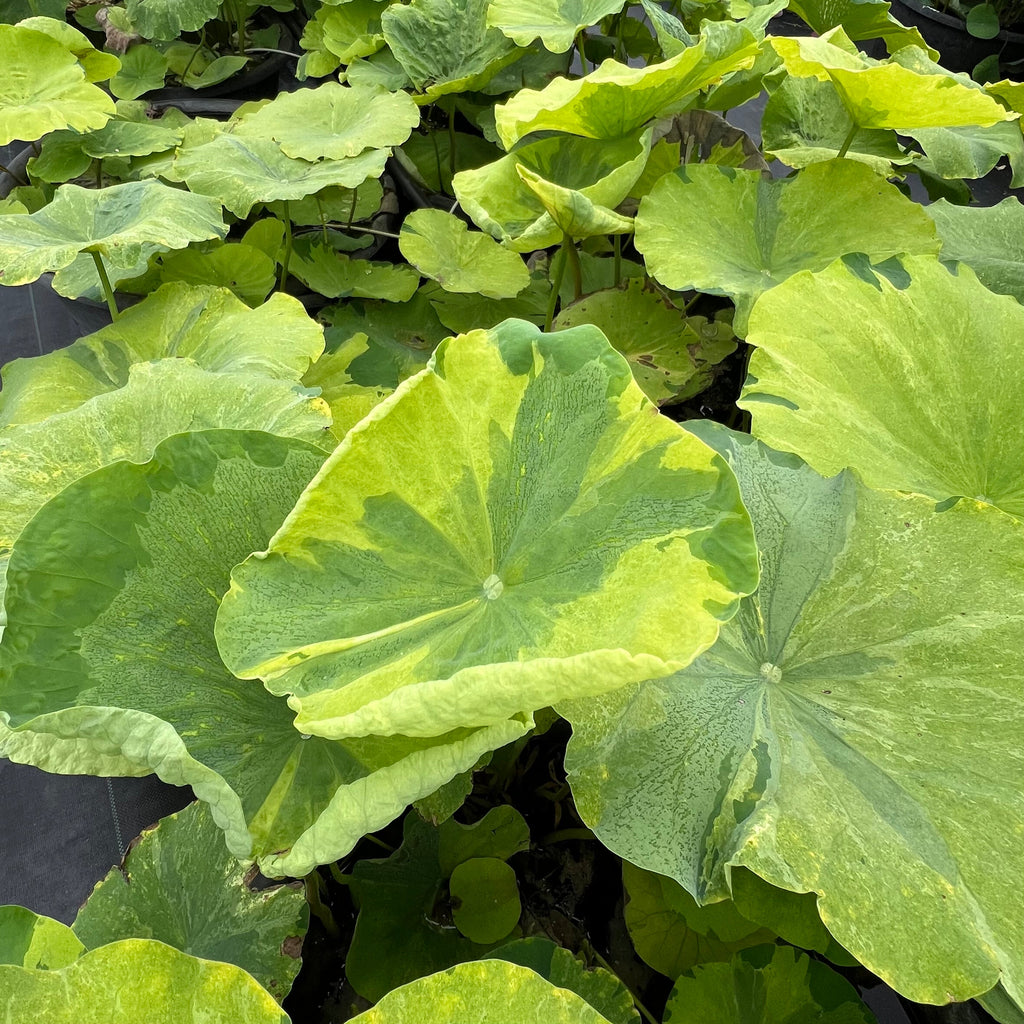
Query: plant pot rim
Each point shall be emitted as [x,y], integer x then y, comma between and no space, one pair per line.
[951,21]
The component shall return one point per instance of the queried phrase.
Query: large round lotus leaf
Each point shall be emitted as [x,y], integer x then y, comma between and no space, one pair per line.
[443,248]
[990,240]
[446,46]
[35,942]
[616,100]
[123,677]
[43,87]
[556,24]
[573,213]
[915,382]
[500,202]
[143,69]
[830,741]
[137,981]
[207,325]
[483,544]
[181,885]
[887,94]
[242,172]
[484,992]
[97,65]
[332,121]
[130,138]
[737,233]
[246,271]
[167,19]
[116,222]
[766,985]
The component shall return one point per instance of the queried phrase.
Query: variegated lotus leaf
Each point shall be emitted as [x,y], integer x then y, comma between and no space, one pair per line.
[117,222]
[446,46]
[167,19]
[574,214]
[442,247]
[829,741]
[860,20]
[913,379]
[34,942]
[240,172]
[332,121]
[44,88]
[201,323]
[500,202]
[885,94]
[502,559]
[345,32]
[123,677]
[556,25]
[136,981]
[484,991]
[242,269]
[737,233]
[180,884]
[335,275]
[971,152]
[97,65]
[616,100]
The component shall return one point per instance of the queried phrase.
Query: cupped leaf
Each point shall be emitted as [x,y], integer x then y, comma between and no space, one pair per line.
[123,678]
[443,248]
[738,233]
[503,561]
[446,46]
[332,121]
[465,312]
[167,19]
[116,222]
[860,19]
[143,69]
[44,87]
[556,25]
[97,65]
[130,138]
[573,213]
[346,32]
[822,721]
[486,992]
[36,943]
[334,275]
[764,985]
[137,981]
[616,100]
[242,269]
[179,884]
[972,152]
[916,384]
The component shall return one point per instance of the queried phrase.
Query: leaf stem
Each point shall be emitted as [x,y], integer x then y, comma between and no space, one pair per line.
[313,882]
[617,244]
[558,266]
[854,128]
[577,271]
[358,229]
[451,141]
[286,259]
[644,1012]
[108,292]
[579,49]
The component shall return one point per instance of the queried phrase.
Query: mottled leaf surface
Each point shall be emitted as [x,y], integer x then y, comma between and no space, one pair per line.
[35,942]
[555,24]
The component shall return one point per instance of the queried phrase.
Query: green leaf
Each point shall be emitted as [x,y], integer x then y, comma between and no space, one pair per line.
[198,76]
[487,992]
[246,271]
[332,121]
[179,884]
[130,562]
[332,203]
[485,899]
[511,572]
[671,355]
[556,25]
[990,240]
[136,980]
[972,152]
[860,19]
[242,172]
[347,31]
[737,233]
[616,100]
[440,246]
[167,19]
[431,156]
[499,201]
[822,721]
[573,213]
[471,312]
[337,276]
[143,69]
[446,46]
[983,21]
[923,380]
[44,87]
[130,138]
[34,942]
[97,65]
[999,1005]
[764,985]
[116,222]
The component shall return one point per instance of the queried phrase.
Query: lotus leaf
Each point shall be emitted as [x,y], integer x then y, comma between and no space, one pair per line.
[44,87]
[446,46]
[431,154]
[115,222]
[97,65]
[467,312]
[332,121]
[737,233]
[498,200]
[989,240]
[860,19]
[36,943]
[143,69]
[573,213]
[443,248]
[246,271]
[242,172]
[673,36]
[332,203]
[492,577]
[822,721]
[130,138]
[764,985]
[671,355]
[136,981]
[347,31]
[334,275]
[555,24]
[485,899]
[179,884]
[133,681]
[972,152]
[916,384]
[167,19]
[616,100]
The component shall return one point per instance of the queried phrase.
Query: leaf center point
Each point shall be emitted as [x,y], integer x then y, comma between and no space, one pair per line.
[493,587]
[772,673]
